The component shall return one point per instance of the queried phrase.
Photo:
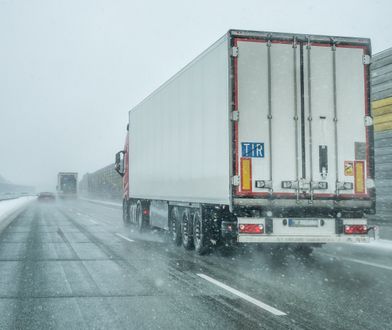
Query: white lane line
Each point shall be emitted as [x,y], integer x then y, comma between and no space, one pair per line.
[243,295]
[87,216]
[357,261]
[123,237]
[93,221]
[383,244]
[369,263]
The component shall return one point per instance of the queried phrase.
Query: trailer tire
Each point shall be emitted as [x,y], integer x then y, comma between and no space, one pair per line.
[132,213]
[175,227]
[140,219]
[201,236]
[126,215]
[186,229]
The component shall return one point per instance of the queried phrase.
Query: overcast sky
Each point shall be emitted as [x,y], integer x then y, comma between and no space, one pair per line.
[70,70]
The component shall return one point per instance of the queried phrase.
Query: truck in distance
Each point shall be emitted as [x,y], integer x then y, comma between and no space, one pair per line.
[264,138]
[67,185]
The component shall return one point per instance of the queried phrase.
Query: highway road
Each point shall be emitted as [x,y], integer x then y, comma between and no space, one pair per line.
[73,265]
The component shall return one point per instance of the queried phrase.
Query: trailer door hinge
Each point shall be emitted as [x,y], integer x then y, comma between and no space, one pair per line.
[366,59]
[235,115]
[368,121]
[234,51]
[235,180]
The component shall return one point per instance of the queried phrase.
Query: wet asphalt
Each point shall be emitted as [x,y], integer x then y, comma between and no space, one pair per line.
[70,266]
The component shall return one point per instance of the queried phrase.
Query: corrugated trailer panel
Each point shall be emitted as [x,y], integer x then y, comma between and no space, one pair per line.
[382,75]
[179,136]
[382,113]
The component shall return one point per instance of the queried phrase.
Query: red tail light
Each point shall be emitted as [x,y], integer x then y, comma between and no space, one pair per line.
[355,229]
[251,228]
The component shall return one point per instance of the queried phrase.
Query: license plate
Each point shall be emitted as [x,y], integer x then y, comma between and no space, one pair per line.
[303,223]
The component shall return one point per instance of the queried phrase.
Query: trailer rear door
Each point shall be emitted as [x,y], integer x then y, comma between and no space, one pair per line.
[303,111]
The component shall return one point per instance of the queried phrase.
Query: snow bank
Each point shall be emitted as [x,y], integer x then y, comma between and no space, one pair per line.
[11,207]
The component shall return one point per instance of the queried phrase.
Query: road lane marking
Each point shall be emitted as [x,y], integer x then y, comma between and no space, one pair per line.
[243,295]
[383,244]
[358,261]
[369,263]
[90,218]
[124,237]
[87,216]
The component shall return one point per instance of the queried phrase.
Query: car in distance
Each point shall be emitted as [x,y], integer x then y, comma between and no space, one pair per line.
[46,196]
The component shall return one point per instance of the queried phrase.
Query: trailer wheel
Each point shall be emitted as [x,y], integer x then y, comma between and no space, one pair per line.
[126,216]
[140,219]
[186,229]
[201,236]
[132,213]
[175,226]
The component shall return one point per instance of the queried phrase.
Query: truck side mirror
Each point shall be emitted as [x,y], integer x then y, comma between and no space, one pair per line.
[119,163]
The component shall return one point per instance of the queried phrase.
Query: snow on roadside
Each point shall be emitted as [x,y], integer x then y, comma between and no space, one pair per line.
[9,206]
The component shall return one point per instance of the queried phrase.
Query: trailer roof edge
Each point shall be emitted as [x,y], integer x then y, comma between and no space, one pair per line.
[299,37]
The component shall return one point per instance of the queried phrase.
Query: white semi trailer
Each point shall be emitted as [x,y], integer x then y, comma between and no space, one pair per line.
[263,138]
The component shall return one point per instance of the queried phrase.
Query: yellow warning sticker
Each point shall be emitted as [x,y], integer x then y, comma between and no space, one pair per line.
[246,174]
[359,177]
[349,168]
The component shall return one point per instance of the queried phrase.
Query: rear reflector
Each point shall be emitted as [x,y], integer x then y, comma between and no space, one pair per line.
[359,176]
[251,228]
[246,174]
[355,229]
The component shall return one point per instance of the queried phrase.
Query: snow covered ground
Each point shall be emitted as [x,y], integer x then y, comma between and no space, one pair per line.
[11,207]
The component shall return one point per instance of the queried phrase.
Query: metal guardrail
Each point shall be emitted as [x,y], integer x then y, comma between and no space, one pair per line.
[7,199]
[9,196]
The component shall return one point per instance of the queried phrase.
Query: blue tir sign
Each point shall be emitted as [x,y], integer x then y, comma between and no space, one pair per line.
[252,149]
